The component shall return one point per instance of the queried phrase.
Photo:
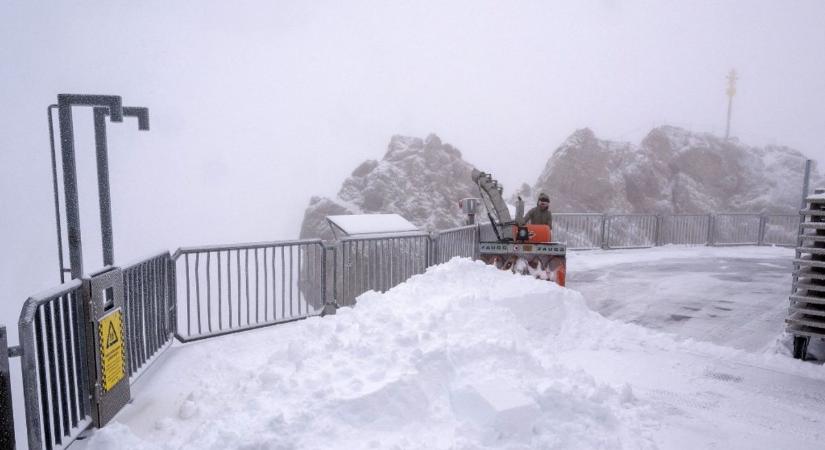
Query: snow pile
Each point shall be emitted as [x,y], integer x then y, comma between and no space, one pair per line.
[463,356]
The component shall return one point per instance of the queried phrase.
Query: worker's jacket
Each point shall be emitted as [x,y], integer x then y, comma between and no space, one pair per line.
[538,217]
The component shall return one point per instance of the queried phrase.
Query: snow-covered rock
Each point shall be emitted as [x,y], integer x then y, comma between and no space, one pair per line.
[671,171]
[422,180]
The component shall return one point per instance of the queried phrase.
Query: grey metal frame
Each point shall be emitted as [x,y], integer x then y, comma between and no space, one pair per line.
[149,309]
[460,241]
[54,365]
[736,229]
[591,231]
[579,231]
[230,288]
[631,231]
[378,263]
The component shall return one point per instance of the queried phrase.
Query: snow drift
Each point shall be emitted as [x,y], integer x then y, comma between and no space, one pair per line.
[466,356]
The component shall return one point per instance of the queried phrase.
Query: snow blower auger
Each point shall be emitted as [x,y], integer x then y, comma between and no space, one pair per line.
[512,245]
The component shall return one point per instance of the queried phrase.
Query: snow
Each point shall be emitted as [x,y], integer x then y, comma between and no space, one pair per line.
[354,224]
[466,356]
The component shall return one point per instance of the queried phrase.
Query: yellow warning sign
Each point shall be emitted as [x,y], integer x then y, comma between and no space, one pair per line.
[112,351]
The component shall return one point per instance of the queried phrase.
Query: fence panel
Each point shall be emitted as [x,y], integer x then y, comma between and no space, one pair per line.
[685,229]
[149,303]
[780,229]
[578,231]
[378,263]
[54,365]
[229,288]
[736,229]
[461,241]
[631,231]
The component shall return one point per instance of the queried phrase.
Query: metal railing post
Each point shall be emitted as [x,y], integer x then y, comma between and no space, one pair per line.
[711,231]
[605,232]
[6,408]
[760,240]
[658,241]
[433,257]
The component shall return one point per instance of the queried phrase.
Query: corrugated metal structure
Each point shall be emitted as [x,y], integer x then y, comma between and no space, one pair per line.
[806,314]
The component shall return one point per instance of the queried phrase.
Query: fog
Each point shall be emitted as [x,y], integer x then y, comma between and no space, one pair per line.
[256,106]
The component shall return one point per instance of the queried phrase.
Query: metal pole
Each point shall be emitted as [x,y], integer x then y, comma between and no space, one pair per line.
[103,191]
[762,223]
[56,195]
[64,105]
[604,231]
[710,230]
[806,184]
[6,408]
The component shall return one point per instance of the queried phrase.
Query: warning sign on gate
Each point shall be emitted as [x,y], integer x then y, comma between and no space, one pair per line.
[112,357]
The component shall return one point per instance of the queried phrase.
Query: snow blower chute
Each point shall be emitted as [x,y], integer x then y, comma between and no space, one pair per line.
[511,244]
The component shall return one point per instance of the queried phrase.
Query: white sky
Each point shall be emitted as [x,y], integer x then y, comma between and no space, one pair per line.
[256,105]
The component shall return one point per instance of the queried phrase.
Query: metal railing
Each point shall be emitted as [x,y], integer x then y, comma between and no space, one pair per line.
[735,229]
[228,288]
[202,292]
[149,301]
[780,229]
[55,376]
[631,231]
[460,241]
[579,231]
[591,231]
[378,263]
[685,229]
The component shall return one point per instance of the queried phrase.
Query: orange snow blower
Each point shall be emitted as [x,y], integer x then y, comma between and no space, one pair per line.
[510,244]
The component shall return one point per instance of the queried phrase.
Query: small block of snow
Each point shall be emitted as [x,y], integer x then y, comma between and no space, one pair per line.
[495,404]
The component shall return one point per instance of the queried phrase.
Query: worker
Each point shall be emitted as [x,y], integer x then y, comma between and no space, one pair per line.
[540,214]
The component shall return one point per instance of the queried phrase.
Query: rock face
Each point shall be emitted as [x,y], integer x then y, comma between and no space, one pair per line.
[422,180]
[672,171]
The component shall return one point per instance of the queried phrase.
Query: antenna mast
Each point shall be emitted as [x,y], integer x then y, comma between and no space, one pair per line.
[731,91]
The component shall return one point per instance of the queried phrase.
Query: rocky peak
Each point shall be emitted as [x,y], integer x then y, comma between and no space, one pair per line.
[420,179]
[672,170]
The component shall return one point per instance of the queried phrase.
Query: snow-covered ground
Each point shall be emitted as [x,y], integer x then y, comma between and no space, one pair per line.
[465,356]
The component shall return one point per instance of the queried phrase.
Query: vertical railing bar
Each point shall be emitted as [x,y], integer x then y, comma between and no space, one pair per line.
[266,287]
[220,293]
[209,291]
[257,287]
[45,415]
[246,283]
[198,289]
[157,289]
[188,299]
[141,316]
[274,286]
[60,350]
[229,286]
[300,290]
[71,365]
[291,282]
[238,279]
[342,252]
[150,310]
[283,284]
[53,378]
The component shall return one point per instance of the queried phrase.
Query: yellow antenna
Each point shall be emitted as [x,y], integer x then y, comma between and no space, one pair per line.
[731,91]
